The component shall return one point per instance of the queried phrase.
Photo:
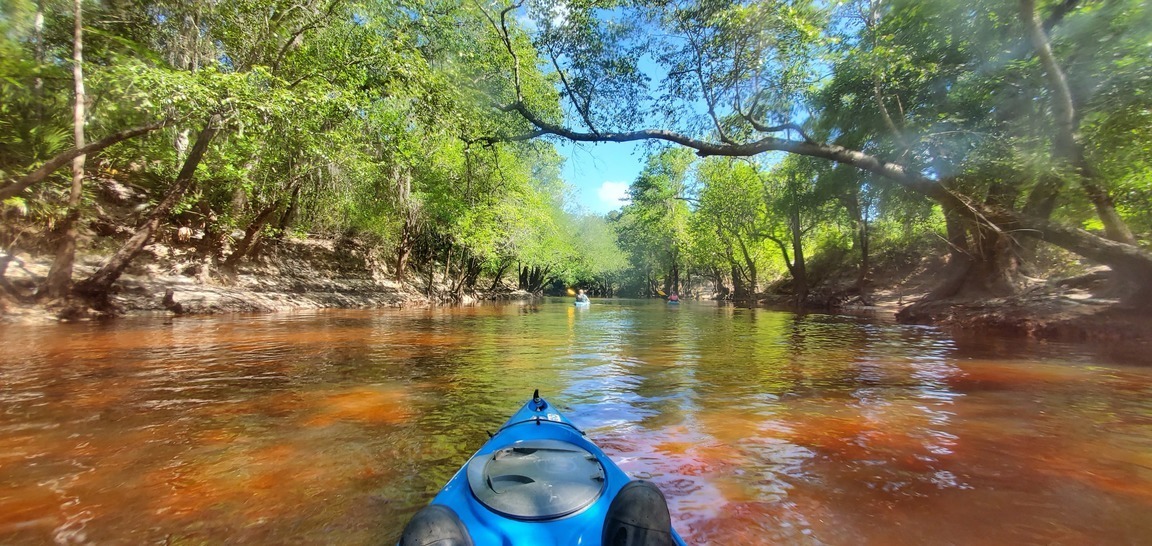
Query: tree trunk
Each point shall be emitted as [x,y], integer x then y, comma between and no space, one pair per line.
[739,290]
[720,289]
[431,271]
[547,279]
[753,274]
[60,274]
[409,230]
[456,283]
[289,215]
[1067,138]
[98,285]
[860,239]
[1132,264]
[1040,203]
[864,238]
[38,55]
[799,269]
[959,257]
[251,236]
[983,261]
[213,239]
[240,195]
[404,248]
[6,259]
[473,273]
[469,271]
[504,265]
[536,278]
[447,263]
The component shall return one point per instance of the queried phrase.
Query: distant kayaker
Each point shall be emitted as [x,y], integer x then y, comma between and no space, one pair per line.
[673,297]
[581,297]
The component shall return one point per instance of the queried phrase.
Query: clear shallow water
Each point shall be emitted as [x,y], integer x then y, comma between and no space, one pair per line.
[760,426]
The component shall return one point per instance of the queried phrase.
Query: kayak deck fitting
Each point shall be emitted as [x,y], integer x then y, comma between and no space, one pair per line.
[540,481]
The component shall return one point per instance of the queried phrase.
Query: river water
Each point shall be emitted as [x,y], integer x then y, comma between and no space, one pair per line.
[761,426]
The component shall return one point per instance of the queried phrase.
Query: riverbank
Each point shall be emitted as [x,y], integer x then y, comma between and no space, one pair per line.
[316,273]
[292,274]
[1075,308]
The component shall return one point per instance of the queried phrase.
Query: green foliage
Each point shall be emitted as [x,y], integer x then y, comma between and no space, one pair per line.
[599,261]
[350,114]
[653,228]
[731,218]
[383,119]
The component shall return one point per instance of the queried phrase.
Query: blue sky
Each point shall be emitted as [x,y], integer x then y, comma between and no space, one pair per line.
[601,173]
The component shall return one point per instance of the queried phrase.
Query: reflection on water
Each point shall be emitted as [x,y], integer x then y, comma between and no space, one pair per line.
[760,426]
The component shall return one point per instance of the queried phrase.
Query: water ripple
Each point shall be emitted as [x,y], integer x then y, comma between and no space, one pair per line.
[760,426]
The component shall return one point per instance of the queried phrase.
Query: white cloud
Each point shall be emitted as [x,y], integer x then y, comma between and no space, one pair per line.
[527,23]
[613,195]
[560,14]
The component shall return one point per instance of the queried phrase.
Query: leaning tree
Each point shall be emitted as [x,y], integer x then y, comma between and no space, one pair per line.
[742,79]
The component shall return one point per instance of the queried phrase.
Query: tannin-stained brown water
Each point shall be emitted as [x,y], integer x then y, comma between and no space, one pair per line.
[761,427]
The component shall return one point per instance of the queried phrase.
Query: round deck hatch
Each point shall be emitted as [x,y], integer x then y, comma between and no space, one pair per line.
[537,479]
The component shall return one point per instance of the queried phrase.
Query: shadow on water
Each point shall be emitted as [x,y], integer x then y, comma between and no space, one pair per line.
[761,426]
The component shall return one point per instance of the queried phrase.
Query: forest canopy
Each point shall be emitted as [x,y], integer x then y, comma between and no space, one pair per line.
[1002,132]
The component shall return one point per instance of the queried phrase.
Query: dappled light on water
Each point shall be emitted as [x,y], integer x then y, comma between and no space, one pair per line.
[760,426]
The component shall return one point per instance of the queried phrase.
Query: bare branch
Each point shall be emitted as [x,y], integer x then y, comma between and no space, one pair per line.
[765,128]
[1065,107]
[492,140]
[581,108]
[501,28]
[885,115]
[709,99]
[782,127]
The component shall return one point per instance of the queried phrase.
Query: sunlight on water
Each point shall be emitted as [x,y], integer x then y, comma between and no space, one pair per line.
[760,426]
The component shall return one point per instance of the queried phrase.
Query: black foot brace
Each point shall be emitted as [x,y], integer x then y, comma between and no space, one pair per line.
[435,525]
[638,516]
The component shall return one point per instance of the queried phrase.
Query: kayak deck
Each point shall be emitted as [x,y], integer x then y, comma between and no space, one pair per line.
[540,481]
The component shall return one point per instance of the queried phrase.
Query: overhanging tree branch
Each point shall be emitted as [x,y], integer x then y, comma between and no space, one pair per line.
[1067,141]
[18,185]
[987,218]
[706,148]
[1129,258]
